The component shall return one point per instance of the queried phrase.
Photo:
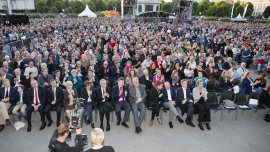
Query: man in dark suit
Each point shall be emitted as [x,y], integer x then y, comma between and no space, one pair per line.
[9,69]
[169,101]
[39,61]
[93,79]
[81,70]
[18,78]
[4,75]
[227,65]
[7,99]
[37,100]
[120,99]
[147,80]
[54,99]
[88,93]
[137,101]
[55,55]
[22,101]
[73,61]
[184,102]
[202,62]
[104,94]
[94,68]
[117,71]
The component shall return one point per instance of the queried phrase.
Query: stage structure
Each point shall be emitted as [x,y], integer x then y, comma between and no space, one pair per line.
[17,5]
[182,9]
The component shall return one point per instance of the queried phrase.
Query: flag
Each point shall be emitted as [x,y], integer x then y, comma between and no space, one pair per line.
[232,11]
[180,50]
[245,11]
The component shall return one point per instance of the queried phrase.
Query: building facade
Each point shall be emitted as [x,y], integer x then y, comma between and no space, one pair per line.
[259,5]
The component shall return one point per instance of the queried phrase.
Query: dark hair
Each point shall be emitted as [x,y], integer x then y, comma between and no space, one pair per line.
[121,79]
[86,83]
[22,87]
[52,80]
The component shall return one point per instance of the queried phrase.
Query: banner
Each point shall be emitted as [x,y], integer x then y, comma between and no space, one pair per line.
[245,11]
[232,11]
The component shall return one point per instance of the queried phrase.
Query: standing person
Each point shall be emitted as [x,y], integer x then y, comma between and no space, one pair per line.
[7,99]
[104,94]
[54,99]
[97,137]
[154,102]
[169,101]
[37,99]
[185,103]
[137,101]
[120,100]
[22,101]
[200,97]
[89,95]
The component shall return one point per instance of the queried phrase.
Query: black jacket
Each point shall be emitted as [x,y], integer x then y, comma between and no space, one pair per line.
[59,95]
[154,95]
[22,78]
[41,95]
[85,96]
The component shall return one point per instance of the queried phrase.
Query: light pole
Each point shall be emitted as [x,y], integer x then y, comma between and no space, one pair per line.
[5,8]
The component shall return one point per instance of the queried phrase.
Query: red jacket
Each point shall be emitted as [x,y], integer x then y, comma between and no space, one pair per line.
[156,64]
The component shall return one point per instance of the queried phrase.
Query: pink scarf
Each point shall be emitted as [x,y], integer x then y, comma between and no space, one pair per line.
[128,68]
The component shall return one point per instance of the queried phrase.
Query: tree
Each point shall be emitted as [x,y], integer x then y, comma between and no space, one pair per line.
[49,3]
[206,5]
[211,11]
[167,7]
[54,9]
[91,6]
[211,4]
[239,9]
[220,11]
[100,6]
[201,8]
[68,10]
[194,7]
[41,6]
[78,7]
[220,3]
[266,12]
[110,5]
[66,3]
[94,2]
[59,6]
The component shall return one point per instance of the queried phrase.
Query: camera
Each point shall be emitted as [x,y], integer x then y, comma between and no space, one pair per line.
[77,115]
[84,139]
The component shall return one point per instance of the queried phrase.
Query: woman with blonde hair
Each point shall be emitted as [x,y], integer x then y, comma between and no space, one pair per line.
[192,62]
[69,94]
[84,61]
[225,83]
[97,137]
[247,83]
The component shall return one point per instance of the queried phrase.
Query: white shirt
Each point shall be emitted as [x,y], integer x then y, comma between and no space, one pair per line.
[17,83]
[185,93]
[34,101]
[89,98]
[33,69]
[6,89]
[21,97]
[54,93]
[4,77]
[121,99]
[102,93]
[169,95]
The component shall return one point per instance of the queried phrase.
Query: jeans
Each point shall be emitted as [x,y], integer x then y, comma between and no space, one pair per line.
[248,61]
[258,90]
[263,67]
[237,57]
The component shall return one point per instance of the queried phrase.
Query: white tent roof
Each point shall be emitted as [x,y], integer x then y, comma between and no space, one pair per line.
[239,16]
[87,12]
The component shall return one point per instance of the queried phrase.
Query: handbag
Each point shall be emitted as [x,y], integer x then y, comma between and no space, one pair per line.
[109,106]
[228,103]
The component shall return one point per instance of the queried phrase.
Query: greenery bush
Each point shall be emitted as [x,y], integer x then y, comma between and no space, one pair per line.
[210,18]
[72,15]
[49,16]
[122,21]
[225,20]
[190,22]
[136,20]
[34,16]
[99,14]
[179,21]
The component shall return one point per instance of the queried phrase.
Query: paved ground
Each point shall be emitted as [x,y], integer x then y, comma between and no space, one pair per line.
[227,135]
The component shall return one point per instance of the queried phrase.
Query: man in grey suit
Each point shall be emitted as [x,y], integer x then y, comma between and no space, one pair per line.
[137,98]
[44,79]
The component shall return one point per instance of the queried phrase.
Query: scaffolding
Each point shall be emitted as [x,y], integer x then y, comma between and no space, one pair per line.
[182,9]
[129,6]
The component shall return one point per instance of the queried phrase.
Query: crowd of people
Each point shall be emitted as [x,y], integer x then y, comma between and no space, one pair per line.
[130,66]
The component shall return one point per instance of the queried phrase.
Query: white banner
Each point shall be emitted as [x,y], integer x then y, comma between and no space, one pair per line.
[245,11]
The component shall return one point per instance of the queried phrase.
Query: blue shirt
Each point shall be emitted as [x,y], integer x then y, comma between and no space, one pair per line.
[246,53]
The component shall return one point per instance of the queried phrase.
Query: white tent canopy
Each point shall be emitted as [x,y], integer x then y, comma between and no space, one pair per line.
[239,16]
[87,13]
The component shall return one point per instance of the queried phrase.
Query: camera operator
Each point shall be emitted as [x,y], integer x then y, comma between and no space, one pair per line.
[58,143]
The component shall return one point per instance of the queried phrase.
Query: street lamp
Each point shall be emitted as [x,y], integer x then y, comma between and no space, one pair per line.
[5,8]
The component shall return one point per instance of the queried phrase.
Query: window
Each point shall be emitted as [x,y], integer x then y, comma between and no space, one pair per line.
[157,8]
[140,8]
[148,8]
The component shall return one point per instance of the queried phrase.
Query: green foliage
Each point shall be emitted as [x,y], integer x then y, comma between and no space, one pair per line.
[122,21]
[210,19]
[179,21]
[34,16]
[225,20]
[68,10]
[220,11]
[206,5]
[190,22]
[194,7]
[201,8]
[94,1]
[211,3]
[49,16]
[72,15]
[49,3]
[114,3]
[99,14]
[211,11]
[136,20]
[41,6]
[167,7]
[66,3]
[266,12]
[59,6]
[239,9]
[100,6]
[54,9]
[78,7]
[220,3]
[91,6]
